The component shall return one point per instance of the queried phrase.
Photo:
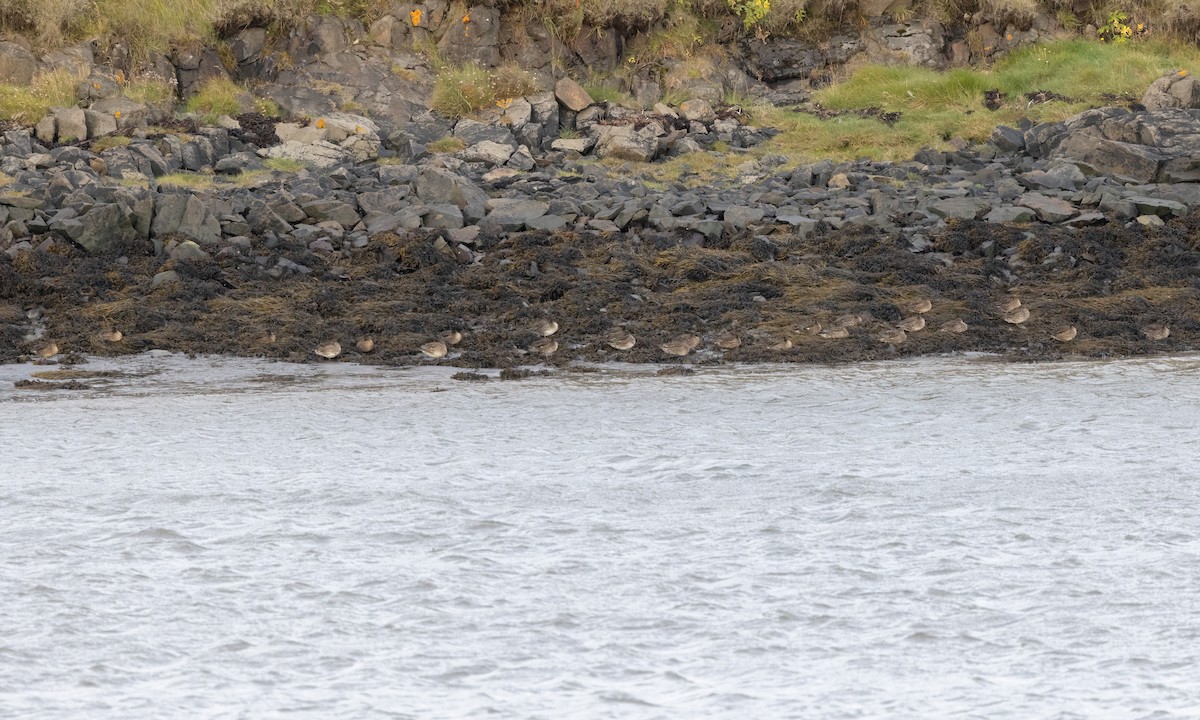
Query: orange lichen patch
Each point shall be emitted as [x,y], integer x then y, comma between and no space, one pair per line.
[1183,73]
[466,18]
[415,17]
[504,104]
[321,123]
[117,114]
[359,130]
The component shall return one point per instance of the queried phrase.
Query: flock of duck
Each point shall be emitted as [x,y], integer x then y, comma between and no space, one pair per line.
[1010,309]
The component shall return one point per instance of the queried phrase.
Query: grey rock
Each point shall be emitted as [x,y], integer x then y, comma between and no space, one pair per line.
[960,208]
[513,213]
[1177,90]
[1007,139]
[17,65]
[164,278]
[623,142]
[472,132]
[488,152]
[435,185]
[1157,206]
[103,230]
[330,209]
[1048,209]
[443,216]
[739,217]
[1009,214]
[188,250]
[185,215]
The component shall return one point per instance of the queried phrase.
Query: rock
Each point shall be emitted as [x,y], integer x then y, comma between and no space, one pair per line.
[488,152]
[1051,210]
[127,113]
[105,229]
[1061,177]
[1157,206]
[330,209]
[961,208]
[188,250]
[99,124]
[580,145]
[1177,90]
[697,111]
[788,59]
[907,43]
[44,130]
[164,278]
[17,65]
[1007,139]
[739,217]
[472,132]
[70,124]
[320,154]
[1150,221]
[185,215]
[571,95]
[1009,214]
[513,214]
[622,142]
[443,215]
[435,185]
[1119,159]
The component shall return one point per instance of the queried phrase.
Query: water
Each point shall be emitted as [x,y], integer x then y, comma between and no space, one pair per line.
[944,538]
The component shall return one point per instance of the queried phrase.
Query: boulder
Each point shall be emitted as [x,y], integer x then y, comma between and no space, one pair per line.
[127,113]
[1048,209]
[1109,157]
[571,95]
[105,229]
[331,209]
[185,215]
[513,213]
[961,208]
[623,142]
[697,111]
[70,124]
[17,65]
[487,152]
[435,186]
[320,154]
[1177,90]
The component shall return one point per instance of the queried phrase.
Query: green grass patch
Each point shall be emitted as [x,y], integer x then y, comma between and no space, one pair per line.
[446,145]
[286,165]
[109,142]
[151,91]
[30,103]
[938,106]
[217,96]
[465,89]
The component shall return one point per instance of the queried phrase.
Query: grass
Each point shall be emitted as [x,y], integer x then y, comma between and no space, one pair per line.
[461,90]
[602,91]
[446,145]
[5,179]
[199,181]
[151,91]
[286,165]
[30,103]
[217,96]
[108,142]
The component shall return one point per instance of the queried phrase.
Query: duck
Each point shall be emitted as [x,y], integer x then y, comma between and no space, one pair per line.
[620,339]
[1157,331]
[811,328]
[1066,333]
[957,325]
[726,340]
[837,332]
[48,350]
[365,345]
[546,346]
[112,336]
[892,337]
[545,327]
[920,307]
[435,349]
[328,350]
[450,337]
[1009,304]
[1017,315]
[848,321]
[681,345]
[912,324]
[781,345]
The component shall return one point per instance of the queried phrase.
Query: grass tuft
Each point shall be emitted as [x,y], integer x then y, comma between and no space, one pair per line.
[465,89]
[446,145]
[217,96]
[30,103]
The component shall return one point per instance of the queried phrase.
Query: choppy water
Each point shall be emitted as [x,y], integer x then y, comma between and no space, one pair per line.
[945,538]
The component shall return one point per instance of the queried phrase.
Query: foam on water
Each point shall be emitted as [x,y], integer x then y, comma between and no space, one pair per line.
[944,538]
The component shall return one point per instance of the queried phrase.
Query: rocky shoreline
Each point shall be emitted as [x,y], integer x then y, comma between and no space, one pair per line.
[372,243]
